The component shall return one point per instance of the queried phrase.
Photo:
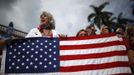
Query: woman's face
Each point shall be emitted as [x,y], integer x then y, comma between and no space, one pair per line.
[45,22]
[105,30]
[89,31]
[44,19]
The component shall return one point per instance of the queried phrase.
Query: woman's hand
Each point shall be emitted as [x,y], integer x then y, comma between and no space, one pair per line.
[63,36]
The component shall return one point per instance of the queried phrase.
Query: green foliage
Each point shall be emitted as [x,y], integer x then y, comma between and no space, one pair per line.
[101,17]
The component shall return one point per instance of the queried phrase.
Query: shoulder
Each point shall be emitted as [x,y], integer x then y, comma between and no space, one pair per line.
[34,29]
[54,31]
[55,34]
[34,33]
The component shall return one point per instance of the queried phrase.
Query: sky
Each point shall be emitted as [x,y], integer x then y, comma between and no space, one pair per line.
[70,15]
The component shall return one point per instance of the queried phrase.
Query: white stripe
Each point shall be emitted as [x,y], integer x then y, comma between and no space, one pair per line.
[90,72]
[93,61]
[93,50]
[90,41]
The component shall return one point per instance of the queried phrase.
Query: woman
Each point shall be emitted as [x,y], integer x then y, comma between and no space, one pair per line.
[91,30]
[120,31]
[46,28]
[105,29]
[130,35]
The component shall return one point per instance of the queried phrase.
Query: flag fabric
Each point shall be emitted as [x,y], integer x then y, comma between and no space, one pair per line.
[93,55]
[32,56]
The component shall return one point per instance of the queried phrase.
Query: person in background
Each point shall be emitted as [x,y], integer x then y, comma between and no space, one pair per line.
[120,31]
[130,36]
[46,28]
[105,29]
[82,32]
[91,30]
[6,38]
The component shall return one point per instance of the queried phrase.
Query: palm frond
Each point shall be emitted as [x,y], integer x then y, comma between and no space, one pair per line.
[107,13]
[94,8]
[91,16]
[101,7]
[120,15]
[98,21]
[113,18]
[127,20]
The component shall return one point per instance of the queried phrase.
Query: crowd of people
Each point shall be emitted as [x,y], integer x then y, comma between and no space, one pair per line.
[121,32]
[90,30]
[47,29]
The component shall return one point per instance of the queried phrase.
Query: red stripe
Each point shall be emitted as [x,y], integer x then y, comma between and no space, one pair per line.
[88,46]
[94,66]
[126,43]
[87,37]
[91,56]
[122,74]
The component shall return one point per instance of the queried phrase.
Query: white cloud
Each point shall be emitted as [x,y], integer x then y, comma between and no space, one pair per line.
[70,15]
[24,14]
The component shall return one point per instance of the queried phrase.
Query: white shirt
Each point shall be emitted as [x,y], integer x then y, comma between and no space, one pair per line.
[36,33]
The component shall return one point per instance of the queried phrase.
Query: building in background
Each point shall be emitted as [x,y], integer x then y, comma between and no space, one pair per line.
[16,33]
[6,32]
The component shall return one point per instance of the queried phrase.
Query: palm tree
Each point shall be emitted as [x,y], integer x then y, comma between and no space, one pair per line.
[111,22]
[99,16]
[121,21]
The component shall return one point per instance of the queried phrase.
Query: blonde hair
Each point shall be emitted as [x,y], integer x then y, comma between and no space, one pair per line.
[50,18]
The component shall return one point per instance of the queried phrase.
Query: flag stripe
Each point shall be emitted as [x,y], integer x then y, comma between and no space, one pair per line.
[94,66]
[93,50]
[90,41]
[85,46]
[93,61]
[89,56]
[122,74]
[109,71]
[91,37]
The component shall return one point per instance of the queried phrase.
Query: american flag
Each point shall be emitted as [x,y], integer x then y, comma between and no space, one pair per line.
[32,56]
[95,55]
